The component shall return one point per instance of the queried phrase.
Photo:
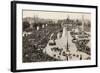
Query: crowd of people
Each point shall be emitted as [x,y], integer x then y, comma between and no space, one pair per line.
[36,40]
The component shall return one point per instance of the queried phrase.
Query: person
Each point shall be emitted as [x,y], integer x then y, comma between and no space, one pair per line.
[80,57]
[67,57]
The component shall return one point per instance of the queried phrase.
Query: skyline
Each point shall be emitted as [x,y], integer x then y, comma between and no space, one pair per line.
[56,15]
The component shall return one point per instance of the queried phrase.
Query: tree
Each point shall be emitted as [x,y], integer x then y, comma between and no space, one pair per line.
[26,25]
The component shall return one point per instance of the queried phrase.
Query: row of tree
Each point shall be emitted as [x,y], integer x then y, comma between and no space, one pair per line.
[40,22]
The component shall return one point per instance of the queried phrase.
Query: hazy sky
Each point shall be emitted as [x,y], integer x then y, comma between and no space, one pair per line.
[55,15]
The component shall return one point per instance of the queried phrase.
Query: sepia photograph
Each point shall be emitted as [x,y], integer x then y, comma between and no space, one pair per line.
[56,36]
[48,36]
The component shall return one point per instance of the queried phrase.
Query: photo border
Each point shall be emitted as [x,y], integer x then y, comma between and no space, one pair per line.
[13,34]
